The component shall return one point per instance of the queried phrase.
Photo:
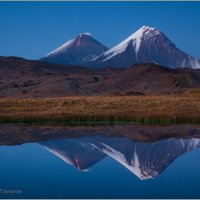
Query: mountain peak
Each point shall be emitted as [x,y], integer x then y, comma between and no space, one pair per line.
[85,34]
[147,30]
[147,27]
[135,40]
[82,36]
[146,45]
[78,50]
[140,34]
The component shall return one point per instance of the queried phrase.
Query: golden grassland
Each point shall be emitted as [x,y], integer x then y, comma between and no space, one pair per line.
[143,109]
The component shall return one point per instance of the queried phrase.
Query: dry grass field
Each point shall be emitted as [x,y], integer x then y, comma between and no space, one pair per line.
[144,109]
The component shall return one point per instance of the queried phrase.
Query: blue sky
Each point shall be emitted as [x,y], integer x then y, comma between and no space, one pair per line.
[32,29]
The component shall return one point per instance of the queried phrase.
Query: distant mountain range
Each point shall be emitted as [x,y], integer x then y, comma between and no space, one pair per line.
[145,160]
[147,62]
[24,78]
[146,45]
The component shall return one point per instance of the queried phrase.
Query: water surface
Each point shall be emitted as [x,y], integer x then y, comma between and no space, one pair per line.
[122,161]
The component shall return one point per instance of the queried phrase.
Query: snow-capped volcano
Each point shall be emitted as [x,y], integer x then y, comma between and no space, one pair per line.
[81,49]
[146,45]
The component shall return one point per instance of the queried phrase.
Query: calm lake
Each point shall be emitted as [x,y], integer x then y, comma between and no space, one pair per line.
[103,161]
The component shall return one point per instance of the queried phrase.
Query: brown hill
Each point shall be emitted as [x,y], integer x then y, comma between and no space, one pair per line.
[25,78]
[150,78]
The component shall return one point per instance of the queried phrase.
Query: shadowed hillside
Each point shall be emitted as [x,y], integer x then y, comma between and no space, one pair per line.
[24,78]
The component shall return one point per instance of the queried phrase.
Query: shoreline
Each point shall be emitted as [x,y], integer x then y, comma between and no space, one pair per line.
[15,134]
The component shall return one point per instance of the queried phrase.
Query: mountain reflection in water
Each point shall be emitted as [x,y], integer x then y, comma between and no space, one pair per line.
[145,160]
[144,150]
[100,161]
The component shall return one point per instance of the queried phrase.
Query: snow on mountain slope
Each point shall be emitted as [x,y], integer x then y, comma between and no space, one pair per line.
[146,45]
[77,51]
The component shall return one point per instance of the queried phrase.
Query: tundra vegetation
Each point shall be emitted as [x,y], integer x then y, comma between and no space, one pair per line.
[160,109]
